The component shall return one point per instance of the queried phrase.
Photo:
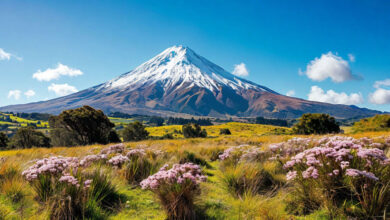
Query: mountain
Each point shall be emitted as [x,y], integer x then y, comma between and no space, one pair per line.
[180,81]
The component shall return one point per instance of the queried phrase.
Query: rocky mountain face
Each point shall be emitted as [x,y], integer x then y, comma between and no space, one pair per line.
[180,81]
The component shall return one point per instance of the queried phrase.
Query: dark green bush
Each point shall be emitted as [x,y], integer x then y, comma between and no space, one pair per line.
[28,137]
[224,131]
[316,124]
[3,140]
[135,132]
[193,131]
[81,126]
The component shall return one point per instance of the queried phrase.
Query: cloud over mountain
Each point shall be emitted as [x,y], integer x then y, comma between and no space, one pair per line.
[331,66]
[330,96]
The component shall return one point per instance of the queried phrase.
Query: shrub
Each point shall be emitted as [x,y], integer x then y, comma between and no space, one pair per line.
[176,189]
[135,132]
[28,137]
[157,121]
[193,131]
[70,192]
[316,124]
[3,140]
[83,126]
[113,137]
[224,131]
[347,171]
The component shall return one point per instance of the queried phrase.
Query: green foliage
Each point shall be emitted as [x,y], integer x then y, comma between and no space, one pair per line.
[157,121]
[224,131]
[3,140]
[103,192]
[268,121]
[376,123]
[316,124]
[28,137]
[113,137]
[135,132]
[193,131]
[138,169]
[82,126]
[247,178]
[189,157]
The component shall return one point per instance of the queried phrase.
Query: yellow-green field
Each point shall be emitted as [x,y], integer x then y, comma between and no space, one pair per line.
[237,129]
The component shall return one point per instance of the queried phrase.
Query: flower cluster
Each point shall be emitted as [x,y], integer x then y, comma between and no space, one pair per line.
[117,148]
[87,183]
[89,159]
[335,156]
[290,147]
[178,174]
[136,153]
[70,180]
[52,166]
[118,160]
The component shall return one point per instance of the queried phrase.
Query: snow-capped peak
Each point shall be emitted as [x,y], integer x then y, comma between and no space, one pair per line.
[178,66]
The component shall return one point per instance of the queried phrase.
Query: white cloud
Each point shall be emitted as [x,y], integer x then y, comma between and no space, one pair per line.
[290,93]
[61,70]
[4,55]
[240,70]
[7,56]
[329,66]
[15,94]
[381,96]
[351,58]
[29,93]
[62,89]
[330,96]
[379,84]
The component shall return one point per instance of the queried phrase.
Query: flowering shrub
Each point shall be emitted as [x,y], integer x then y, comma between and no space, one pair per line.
[117,148]
[290,147]
[176,188]
[90,159]
[118,160]
[344,168]
[242,153]
[70,192]
[136,153]
[44,174]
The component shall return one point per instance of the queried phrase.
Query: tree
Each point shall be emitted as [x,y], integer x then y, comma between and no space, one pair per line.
[113,137]
[135,132]
[316,124]
[225,131]
[193,130]
[158,121]
[3,140]
[81,126]
[28,137]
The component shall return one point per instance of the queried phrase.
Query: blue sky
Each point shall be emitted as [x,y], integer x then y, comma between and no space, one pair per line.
[278,41]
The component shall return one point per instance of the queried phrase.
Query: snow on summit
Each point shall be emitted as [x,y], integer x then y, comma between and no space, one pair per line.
[178,66]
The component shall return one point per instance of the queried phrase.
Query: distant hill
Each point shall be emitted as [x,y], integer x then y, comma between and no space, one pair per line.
[180,81]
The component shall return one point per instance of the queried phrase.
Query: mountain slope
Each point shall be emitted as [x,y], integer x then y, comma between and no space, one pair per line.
[180,81]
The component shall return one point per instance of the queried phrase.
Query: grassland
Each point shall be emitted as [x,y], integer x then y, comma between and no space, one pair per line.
[214,203]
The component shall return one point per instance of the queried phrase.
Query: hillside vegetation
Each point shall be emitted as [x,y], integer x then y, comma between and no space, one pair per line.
[376,123]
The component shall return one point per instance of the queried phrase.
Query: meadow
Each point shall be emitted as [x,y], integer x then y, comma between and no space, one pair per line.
[247,177]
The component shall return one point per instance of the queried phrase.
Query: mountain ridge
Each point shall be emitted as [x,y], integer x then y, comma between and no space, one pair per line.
[180,81]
